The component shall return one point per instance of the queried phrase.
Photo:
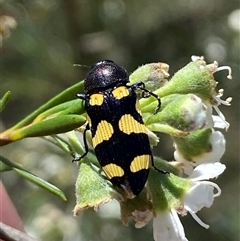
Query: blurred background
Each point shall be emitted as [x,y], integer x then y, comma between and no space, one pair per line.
[40,40]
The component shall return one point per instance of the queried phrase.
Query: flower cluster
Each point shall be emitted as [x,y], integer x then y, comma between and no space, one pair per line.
[189,100]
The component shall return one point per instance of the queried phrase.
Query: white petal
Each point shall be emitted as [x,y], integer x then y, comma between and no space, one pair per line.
[209,117]
[187,166]
[195,58]
[220,114]
[207,171]
[219,122]
[218,143]
[167,227]
[199,196]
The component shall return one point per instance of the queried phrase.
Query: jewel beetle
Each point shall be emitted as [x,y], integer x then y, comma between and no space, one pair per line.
[119,136]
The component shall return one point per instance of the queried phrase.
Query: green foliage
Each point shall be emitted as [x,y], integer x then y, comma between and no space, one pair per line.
[37,63]
[7,165]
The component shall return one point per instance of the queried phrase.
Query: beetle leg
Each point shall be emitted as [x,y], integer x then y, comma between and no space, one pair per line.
[78,158]
[159,170]
[141,86]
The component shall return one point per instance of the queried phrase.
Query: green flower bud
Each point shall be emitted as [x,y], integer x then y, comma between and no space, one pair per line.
[179,112]
[202,146]
[153,75]
[193,78]
[195,144]
[196,78]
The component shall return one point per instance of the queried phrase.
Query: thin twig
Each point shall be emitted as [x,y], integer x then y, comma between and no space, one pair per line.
[8,233]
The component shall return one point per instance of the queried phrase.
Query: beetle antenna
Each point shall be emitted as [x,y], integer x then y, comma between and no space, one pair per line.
[81,65]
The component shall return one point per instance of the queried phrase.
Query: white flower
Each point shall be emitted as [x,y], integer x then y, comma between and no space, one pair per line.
[167,225]
[219,120]
[201,194]
[218,146]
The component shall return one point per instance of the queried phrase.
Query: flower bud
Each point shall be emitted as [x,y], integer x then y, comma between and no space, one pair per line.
[184,112]
[202,146]
[153,75]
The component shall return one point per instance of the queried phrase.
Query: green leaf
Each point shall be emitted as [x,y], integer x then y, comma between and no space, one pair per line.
[56,125]
[4,167]
[41,183]
[4,100]
[64,96]
[33,178]
[66,108]
[92,189]
[61,143]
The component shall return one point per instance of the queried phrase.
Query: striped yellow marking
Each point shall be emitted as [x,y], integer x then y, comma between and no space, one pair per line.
[128,125]
[120,92]
[113,170]
[140,162]
[96,99]
[103,133]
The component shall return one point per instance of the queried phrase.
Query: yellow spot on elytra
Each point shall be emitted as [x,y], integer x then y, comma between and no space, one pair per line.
[120,92]
[103,133]
[140,162]
[96,99]
[112,170]
[128,125]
